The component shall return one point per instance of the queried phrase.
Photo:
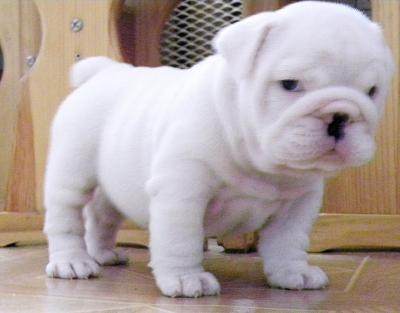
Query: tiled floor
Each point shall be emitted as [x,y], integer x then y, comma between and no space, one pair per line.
[360,282]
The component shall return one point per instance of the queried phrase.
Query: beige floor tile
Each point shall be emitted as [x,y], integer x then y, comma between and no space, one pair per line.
[234,309]
[360,282]
[15,303]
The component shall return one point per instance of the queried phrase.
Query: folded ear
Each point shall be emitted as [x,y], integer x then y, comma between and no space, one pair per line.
[239,43]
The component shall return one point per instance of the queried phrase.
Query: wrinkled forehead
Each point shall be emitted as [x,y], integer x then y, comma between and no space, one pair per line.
[318,16]
[349,45]
[328,32]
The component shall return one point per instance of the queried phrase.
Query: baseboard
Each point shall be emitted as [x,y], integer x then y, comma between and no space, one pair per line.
[27,229]
[330,232]
[340,232]
[355,231]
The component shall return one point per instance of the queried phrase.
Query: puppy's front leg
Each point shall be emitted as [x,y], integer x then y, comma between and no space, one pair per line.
[284,241]
[176,234]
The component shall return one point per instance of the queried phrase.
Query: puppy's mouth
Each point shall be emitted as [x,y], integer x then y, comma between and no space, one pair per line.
[353,142]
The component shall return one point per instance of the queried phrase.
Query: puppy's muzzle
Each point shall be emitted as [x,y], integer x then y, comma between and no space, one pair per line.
[337,115]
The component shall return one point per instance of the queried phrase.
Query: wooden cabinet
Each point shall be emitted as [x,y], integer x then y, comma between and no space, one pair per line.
[361,207]
[39,46]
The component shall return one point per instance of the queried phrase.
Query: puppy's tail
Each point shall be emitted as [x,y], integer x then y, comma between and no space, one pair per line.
[83,70]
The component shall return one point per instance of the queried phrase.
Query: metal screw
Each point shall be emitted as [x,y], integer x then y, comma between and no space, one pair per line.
[30,60]
[78,56]
[76,25]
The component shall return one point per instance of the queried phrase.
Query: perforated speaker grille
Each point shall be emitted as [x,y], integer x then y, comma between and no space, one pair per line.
[186,38]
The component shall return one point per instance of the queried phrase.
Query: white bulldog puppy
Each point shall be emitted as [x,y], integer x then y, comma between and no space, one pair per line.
[240,142]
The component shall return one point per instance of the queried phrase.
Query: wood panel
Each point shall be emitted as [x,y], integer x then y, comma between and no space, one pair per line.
[59,50]
[255,6]
[9,90]
[26,228]
[387,13]
[355,231]
[21,182]
[140,27]
[21,188]
[29,95]
[20,38]
[338,232]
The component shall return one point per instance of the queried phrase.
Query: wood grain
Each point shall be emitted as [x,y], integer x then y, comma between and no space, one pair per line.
[18,221]
[21,190]
[9,90]
[140,27]
[339,232]
[331,232]
[355,231]
[59,50]
[18,227]
[126,237]
[20,38]
[21,184]
[255,6]
[387,13]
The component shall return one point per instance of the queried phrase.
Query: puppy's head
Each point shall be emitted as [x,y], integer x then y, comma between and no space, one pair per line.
[311,80]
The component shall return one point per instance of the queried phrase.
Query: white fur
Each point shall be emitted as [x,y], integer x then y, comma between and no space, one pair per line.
[218,149]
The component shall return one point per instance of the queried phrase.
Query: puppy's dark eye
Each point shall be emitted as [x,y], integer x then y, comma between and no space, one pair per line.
[372,91]
[291,85]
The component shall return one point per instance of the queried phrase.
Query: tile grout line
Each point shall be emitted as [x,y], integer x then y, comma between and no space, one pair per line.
[131,306]
[356,274]
[86,298]
[159,309]
[127,304]
[290,310]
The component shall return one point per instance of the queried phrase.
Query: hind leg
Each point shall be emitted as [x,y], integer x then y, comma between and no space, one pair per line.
[69,184]
[102,225]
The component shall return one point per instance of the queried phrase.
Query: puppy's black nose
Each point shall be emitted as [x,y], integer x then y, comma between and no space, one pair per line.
[336,127]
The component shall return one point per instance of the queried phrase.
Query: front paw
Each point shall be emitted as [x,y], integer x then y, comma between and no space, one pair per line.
[71,265]
[192,285]
[297,276]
